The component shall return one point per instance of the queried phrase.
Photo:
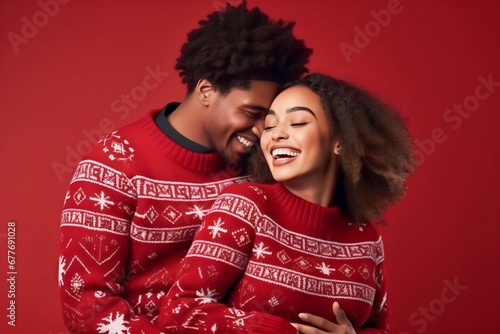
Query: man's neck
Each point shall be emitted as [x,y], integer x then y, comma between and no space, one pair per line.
[162,122]
[187,119]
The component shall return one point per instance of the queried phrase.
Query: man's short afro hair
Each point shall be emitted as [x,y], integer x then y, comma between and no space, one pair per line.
[236,45]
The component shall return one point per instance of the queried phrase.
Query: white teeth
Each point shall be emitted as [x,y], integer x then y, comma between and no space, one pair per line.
[245,142]
[284,152]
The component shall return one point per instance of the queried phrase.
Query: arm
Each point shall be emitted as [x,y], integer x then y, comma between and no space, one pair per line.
[215,261]
[97,211]
[375,324]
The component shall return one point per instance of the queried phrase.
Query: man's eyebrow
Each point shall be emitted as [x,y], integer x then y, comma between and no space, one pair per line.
[297,108]
[256,108]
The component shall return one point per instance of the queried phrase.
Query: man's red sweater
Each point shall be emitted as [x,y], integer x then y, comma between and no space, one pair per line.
[270,255]
[129,217]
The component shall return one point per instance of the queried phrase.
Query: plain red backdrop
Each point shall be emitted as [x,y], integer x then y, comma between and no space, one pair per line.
[66,71]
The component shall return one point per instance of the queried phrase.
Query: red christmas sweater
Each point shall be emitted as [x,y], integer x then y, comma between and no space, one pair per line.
[270,255]
[129,216]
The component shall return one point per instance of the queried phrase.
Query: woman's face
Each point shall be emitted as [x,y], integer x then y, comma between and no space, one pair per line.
[296,141]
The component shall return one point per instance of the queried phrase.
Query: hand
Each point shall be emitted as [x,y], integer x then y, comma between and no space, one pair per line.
[324,326]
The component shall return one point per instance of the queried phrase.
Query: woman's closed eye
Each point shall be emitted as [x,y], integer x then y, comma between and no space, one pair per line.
[294,125]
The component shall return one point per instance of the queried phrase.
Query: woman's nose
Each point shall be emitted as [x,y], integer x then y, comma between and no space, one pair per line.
[279,132]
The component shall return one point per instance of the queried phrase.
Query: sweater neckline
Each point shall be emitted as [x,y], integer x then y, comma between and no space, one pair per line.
[162,121]
[303,210]
[203,162]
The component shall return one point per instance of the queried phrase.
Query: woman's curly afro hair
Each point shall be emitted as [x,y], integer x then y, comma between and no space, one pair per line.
[375,148]
[236,45]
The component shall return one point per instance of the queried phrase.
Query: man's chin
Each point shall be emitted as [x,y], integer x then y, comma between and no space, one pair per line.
[235,162]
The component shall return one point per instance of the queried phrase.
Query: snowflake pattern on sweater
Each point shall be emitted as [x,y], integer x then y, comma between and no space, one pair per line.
[129,216]
[269,255]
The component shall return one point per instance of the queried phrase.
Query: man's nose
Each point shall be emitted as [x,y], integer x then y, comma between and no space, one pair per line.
[258,127]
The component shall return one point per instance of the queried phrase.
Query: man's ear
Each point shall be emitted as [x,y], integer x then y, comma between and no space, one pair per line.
[204,91]
[336,147]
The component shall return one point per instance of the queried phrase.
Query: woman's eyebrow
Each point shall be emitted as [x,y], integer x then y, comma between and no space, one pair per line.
[293,109]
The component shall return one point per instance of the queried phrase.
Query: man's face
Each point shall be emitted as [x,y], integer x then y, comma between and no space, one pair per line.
[234,121]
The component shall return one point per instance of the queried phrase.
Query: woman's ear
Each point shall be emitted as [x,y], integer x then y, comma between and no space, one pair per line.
[204,90]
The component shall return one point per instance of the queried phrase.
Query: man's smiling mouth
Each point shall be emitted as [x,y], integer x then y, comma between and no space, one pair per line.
[245,142]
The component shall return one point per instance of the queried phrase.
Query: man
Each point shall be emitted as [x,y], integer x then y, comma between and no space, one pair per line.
[137,198]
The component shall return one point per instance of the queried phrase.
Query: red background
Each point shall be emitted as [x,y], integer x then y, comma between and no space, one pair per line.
[66,78]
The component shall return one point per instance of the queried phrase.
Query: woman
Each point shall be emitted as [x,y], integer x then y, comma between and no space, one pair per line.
[266,252]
